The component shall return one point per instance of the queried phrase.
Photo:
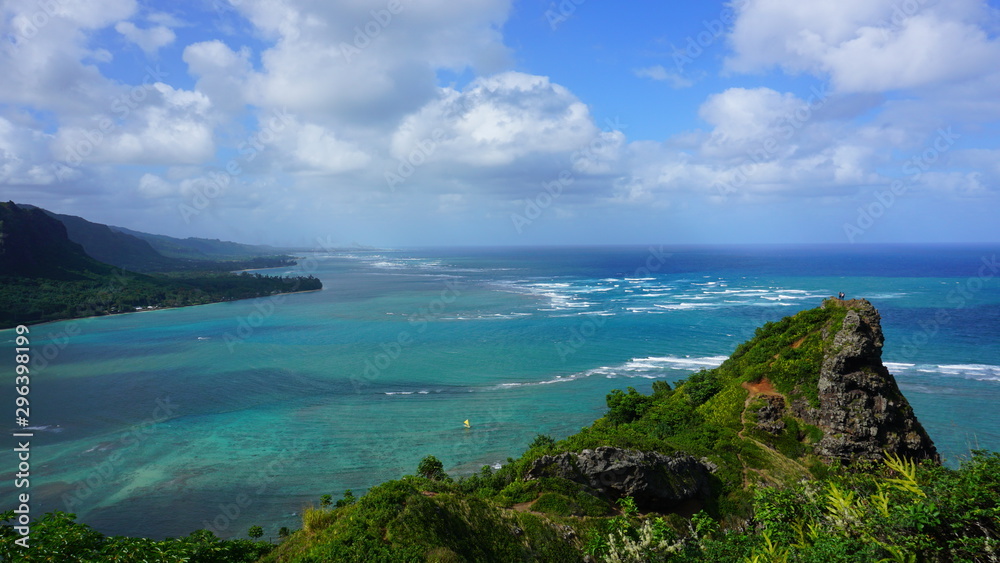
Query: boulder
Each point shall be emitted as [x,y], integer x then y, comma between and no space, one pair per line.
[656,481]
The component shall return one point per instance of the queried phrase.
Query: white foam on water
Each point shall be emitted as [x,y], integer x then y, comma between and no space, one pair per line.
[650,367]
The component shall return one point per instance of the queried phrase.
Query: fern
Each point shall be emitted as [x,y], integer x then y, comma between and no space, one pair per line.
[907,468]
[840,505]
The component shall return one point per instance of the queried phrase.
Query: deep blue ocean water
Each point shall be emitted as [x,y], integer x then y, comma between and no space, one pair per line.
[242,413]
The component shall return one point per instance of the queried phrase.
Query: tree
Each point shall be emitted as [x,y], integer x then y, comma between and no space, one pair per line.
[432,468]
[325,500]
[255,532]
[348,499]
[284,532]
[542,441]
[626,407]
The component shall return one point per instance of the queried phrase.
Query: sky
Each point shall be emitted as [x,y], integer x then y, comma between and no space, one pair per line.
[504,122]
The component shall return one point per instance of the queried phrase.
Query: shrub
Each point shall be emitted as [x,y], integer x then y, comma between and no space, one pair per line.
[432,468]
[542,442]
[702,386]
[316,519]
[626,407]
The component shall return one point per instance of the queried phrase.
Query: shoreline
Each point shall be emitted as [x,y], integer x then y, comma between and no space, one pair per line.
[159,309]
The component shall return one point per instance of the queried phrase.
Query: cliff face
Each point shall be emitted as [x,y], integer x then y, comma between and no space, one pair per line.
[862,412]
[34,245]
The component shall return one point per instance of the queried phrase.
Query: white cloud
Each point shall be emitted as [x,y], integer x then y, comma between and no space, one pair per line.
[222,73]
[359,63]
[866,45]
[320,151]
[172,127]
[497,120]
[150,40]
[661,74]
[152,186]
[24,157]
[48,54]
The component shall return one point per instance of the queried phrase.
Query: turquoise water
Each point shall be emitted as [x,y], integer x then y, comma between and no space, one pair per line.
[235,414]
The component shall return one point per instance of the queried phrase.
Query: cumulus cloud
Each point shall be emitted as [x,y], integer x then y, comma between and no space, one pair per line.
[497,120]
[47,54]
[866,46]
[364,63]
[153,186]
[171,128]
[318,150]
[150,40]
[24,158]
[222,73]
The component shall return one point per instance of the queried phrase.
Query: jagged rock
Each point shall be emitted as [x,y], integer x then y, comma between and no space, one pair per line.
[862,412]
[769,416]
[656,481]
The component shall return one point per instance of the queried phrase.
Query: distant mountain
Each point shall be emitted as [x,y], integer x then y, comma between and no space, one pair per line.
[45,275]
[200,248]
[143,252]
[113,247]
[35,245]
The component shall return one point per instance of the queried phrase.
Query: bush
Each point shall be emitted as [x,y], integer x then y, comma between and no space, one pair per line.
[702,386]
[626,407]
[542,442]
[317,519]
[432,468]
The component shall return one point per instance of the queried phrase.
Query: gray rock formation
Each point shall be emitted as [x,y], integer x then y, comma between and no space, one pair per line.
[862,412]
[656,481]
[769,416]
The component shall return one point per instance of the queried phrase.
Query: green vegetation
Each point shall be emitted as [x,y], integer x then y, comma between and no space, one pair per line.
[32,300]
[44,276]
[773,499]
[431,468]
[57,537]
[142,252]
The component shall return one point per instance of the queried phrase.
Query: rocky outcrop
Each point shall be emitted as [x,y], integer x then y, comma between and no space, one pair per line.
[862,412]
[656,481]
[770,415]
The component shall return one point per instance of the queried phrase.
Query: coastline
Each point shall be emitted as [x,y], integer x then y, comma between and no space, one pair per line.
[160,309]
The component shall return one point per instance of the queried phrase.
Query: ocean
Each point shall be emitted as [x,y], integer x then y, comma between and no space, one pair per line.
[235,414]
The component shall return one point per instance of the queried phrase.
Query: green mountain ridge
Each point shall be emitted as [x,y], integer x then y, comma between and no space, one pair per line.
[46,276]
[33,244]
[148,253]
[194,248]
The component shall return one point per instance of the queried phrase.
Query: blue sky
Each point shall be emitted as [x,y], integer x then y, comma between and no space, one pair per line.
[397,122]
